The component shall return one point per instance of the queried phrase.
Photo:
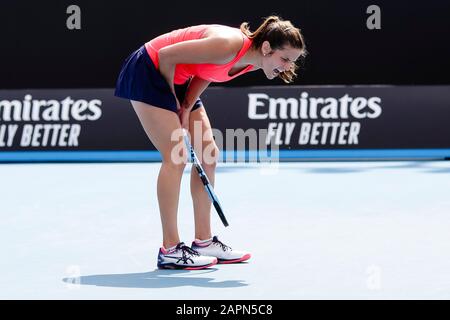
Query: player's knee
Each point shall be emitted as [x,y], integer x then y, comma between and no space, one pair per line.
[211,155]
[176,159]
[174,166]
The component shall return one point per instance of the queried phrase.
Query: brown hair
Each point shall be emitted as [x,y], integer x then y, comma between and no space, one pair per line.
[279,33]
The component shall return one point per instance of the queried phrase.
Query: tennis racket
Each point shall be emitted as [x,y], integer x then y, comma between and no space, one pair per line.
[208,187]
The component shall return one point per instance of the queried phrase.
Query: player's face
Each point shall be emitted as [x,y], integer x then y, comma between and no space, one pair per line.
[277,61]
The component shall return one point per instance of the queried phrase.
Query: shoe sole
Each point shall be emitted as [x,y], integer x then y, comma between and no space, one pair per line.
[244,258]
[171,266]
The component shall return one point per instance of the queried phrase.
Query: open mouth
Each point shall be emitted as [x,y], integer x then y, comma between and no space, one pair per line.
[276,71]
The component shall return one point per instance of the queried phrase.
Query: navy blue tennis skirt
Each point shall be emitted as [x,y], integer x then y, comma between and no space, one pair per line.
[139,80]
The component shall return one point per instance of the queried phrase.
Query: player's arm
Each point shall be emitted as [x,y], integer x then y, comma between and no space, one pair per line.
[194,90]
[216,50]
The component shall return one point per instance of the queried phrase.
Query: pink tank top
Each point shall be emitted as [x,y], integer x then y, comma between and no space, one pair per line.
[209,72]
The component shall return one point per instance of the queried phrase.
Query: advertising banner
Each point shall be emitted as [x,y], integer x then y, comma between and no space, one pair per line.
[295,119]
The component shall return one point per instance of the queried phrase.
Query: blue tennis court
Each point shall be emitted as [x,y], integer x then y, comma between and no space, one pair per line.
[368,230]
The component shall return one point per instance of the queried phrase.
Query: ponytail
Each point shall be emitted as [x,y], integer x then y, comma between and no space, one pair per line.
[279,33]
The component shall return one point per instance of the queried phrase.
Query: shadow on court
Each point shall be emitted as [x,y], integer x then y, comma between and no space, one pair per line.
[155,279]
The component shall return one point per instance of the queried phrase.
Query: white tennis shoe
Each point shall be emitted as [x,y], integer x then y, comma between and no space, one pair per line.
[183,257]
[215,248]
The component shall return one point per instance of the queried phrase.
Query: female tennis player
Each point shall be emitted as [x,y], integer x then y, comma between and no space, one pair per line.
[164,79]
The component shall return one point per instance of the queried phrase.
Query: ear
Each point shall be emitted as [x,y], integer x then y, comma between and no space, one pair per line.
[265,48]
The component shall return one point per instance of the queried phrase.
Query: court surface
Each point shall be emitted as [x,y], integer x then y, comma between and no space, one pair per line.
[316,230]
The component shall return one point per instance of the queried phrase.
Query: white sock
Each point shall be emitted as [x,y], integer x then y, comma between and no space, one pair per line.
[203,241]
[171,248]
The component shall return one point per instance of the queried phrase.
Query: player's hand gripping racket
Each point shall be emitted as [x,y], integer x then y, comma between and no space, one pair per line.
[208,187]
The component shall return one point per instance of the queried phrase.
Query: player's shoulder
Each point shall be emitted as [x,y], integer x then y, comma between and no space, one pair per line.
[230,39]
[232,36]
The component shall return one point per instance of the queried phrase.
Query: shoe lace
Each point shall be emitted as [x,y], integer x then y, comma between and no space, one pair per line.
[221,244]
[189,251]
[186,254]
